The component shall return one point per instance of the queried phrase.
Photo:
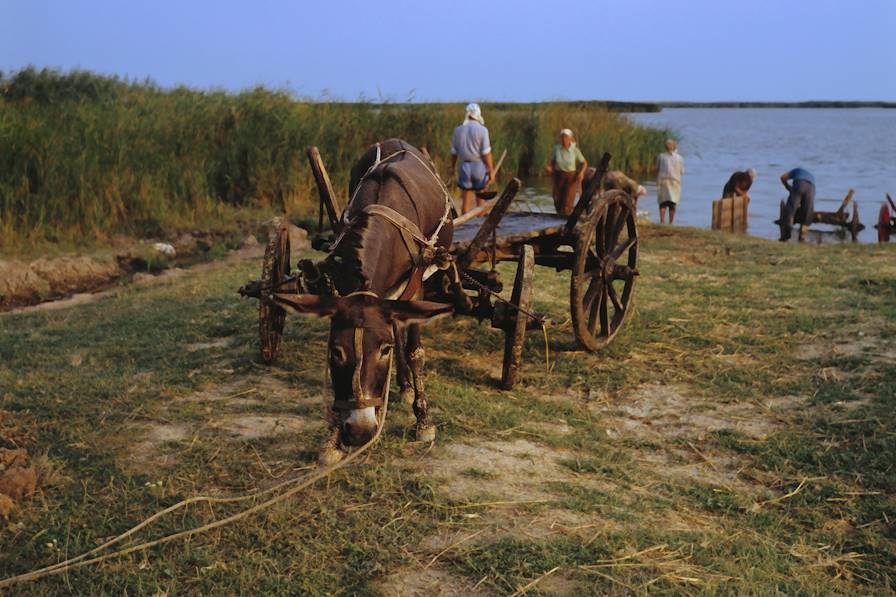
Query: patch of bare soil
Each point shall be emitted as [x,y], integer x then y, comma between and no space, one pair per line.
[561,583]
[253,390]
[494,523]
[428,582]
[720,470]
[851,341]
[217,343]
[660,414]
[159,443]
[259,426]
[658,410]
[23,283]
[59,282]
[509,479]
[506,470]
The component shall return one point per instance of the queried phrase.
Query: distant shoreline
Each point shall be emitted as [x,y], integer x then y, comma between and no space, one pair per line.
[808,104]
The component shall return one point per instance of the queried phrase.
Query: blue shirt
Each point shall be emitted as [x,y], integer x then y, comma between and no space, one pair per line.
[801,174]
[470,141]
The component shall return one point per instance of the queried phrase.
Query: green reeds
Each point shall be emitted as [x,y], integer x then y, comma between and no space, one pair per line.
[86,156]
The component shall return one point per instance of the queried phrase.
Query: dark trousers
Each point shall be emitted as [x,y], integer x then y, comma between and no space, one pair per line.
[800,205]
[565,185]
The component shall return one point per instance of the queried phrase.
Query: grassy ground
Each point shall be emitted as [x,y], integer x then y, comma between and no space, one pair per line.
[738,437]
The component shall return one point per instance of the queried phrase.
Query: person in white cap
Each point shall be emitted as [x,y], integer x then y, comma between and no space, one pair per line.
[669,170]
[471,145]
[739,184]
[567,167]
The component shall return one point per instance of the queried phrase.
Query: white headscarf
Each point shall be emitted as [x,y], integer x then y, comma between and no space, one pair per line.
[474,112]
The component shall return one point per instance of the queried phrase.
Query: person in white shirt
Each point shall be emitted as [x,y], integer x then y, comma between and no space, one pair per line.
[669,169]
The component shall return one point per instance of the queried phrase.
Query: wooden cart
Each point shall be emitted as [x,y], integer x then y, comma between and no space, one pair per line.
[597,243]
[832,218]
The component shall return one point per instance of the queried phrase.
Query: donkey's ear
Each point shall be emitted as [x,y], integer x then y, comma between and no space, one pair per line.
[311,304]
[418,311]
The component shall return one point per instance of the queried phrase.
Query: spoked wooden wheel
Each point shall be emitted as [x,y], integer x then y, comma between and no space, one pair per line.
[603,275]
[271,317]
[517,320]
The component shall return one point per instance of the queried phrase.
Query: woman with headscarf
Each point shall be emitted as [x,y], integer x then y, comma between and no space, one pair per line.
[567,167]
[669,170]
[471,145]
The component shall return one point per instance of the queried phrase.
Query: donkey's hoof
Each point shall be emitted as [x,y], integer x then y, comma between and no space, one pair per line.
[426,434]
[407,396]
[330,455]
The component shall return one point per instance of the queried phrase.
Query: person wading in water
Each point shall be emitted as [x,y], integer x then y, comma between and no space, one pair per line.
[471,145]
[739,184]
[567,167]
[801,202]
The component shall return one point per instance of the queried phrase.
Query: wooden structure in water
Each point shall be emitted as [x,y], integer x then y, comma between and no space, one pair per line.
[730,214]
[833,218]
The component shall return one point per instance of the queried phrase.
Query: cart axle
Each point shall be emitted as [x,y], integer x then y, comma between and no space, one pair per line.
[252,289]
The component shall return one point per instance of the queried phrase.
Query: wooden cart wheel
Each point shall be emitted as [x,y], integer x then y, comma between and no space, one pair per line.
[603,275]
[515,330]
[883,224]
[854,226]
[271,317]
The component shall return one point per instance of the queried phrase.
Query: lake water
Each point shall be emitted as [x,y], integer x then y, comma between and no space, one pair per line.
[843,148]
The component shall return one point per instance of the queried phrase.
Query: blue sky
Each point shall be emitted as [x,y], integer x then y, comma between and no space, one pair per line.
[498,50]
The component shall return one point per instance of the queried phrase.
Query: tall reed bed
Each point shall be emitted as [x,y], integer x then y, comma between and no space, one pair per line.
[86,156]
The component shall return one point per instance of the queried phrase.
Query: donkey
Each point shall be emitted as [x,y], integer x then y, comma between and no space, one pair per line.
[398,217]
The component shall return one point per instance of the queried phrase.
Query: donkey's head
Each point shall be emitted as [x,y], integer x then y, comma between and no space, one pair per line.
[363,331]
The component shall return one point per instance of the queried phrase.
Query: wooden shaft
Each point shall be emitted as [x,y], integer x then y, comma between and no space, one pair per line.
[500,161]
[490,223]
[475,212]
[846,201]
[588,193]
[325,189]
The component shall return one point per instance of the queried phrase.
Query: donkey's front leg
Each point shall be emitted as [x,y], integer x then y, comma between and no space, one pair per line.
[426,430]
[331,451]
[403,372]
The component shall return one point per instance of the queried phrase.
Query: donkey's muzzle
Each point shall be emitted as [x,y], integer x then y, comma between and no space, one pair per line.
[357,434]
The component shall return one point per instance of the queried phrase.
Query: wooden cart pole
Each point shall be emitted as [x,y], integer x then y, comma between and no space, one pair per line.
[490,223]
[325,189]
[588,193]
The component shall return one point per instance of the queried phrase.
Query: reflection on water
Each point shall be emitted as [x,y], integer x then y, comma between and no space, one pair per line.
[843,148]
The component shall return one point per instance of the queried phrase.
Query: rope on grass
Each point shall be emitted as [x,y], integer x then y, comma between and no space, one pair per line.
[300,483]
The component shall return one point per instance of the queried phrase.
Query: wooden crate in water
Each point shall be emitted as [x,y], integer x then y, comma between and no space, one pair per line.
[730,214]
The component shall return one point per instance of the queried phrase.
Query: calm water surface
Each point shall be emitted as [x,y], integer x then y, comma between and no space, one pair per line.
[843,148]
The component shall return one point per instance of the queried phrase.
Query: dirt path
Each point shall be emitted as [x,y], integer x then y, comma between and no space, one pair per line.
[71,280]
[119,277]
